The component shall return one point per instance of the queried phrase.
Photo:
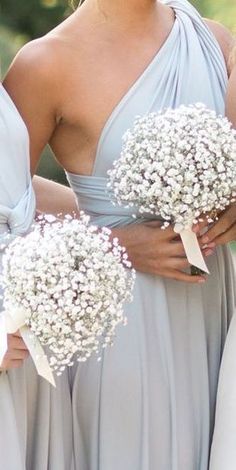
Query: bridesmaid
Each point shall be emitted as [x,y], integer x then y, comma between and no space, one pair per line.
[35,420]
[149,404]
[223,453]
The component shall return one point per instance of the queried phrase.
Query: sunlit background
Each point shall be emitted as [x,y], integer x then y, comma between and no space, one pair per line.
[23,20]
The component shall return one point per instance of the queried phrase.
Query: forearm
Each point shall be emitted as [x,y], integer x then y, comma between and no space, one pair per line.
[54,198]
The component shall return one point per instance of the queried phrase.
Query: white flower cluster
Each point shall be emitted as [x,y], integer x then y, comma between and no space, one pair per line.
[177,164]
[72,282]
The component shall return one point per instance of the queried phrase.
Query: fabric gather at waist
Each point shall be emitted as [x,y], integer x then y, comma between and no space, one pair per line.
[95,199]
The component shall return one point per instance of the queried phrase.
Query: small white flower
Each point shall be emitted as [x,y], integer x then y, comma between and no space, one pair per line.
[72,281]
[176,164]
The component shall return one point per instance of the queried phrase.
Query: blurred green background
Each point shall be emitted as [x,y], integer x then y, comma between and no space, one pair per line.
[23,20]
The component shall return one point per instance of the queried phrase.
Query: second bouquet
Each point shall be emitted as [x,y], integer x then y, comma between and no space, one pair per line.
[178,165]
[65,286]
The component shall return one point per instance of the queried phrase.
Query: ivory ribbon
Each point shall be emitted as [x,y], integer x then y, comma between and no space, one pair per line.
[192,248]
[9,324]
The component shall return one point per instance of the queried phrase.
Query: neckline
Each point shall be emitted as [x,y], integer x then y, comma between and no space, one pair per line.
[128,93]
[126,96]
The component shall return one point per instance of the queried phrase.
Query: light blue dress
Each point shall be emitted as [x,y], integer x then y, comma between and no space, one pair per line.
[149,404]
[35,419]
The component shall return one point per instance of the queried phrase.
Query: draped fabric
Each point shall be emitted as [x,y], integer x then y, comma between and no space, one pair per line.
[223,452]
[17,200]
[149,403]
[35,419]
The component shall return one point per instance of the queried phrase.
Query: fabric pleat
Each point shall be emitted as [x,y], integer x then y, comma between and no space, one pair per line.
[35,419]
[149,404]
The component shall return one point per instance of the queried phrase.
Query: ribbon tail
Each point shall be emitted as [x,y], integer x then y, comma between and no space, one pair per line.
[9,325]
[38,355]
[3,336]
[192,249]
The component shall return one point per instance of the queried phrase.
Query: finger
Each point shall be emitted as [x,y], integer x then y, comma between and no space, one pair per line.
[184,277]
[14,364]
[180,263]
[161,233]
[208,252]
[227,237]
[153,223]
[175,249]
[168,234]
[16,342]
[18,354]
[206,220]
[197,228]
[208,246]
[17,333]
[224,223]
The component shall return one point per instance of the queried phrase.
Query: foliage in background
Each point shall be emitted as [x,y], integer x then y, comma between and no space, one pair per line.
[223,11]
[22,20]
[9,45]
[33,18]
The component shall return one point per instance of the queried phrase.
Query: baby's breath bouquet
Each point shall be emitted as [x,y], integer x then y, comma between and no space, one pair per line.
[65,286]
[178,164]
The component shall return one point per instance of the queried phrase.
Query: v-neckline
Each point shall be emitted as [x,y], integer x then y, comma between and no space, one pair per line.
[126,96]
[129,92]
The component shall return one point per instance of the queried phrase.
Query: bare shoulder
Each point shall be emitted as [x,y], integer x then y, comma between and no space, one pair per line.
[36,62]
[34,82]
[224,38]
[45,61]
[38,74]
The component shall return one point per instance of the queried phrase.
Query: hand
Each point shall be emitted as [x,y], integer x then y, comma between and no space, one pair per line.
[156,251]
[223,231]
[17,352]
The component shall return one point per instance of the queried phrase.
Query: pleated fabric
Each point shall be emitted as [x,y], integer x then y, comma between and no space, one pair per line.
[149,404]
[35,419]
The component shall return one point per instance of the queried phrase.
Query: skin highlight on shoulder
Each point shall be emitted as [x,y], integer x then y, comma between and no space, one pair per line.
[224,38]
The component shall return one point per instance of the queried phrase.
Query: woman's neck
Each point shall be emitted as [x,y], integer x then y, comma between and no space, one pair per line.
[125,13]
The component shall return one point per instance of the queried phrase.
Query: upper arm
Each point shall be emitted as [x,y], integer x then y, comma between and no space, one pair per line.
[62,200]
[224,38]
[231,98]
[31,85]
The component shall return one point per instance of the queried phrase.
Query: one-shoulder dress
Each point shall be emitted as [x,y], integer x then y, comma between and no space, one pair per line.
[35,419]
[149,403]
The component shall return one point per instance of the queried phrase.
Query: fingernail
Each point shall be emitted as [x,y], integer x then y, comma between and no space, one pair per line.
[208,246]
[211,245]
[209,253]
[204,246]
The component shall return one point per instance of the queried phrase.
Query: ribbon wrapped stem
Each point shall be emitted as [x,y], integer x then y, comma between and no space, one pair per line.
[192,250]
[9,324]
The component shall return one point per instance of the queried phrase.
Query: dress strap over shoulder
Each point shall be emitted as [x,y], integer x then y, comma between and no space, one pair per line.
[17,199]
[183,5]
[189,68]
